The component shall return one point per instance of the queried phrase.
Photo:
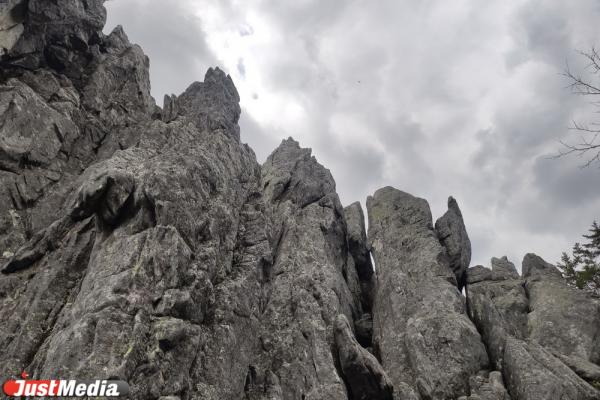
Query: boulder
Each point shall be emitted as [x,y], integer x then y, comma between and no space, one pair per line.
[453,236]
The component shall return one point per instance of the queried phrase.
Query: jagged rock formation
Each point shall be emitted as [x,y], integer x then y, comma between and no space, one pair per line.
[542,334]
[422,334]
[148,245]
[452,234]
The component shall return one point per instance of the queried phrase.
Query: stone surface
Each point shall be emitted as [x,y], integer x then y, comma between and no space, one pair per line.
[503,269]
[533,373]
[478,273]
[487,386]
[499,309]
[308,283]
[421,331]
[453,236]
[358,247]
[148,245]
[561,318]
[366,379]
[590,372]
[535,330]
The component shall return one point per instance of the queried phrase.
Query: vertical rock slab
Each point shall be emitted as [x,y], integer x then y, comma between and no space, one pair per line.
[533,373]
[366,379]
[530,358]
[307,286]
[358,247]
[357,240]
[487,386]
[503,269]
[562,318]
[169,288]
[453,235]
[498,307]
[421,331]
[59,120]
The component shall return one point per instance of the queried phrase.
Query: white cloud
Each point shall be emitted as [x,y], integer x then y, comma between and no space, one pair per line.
[432,97]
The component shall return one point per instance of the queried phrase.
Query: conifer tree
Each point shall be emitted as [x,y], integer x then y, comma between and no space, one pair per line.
[582,268]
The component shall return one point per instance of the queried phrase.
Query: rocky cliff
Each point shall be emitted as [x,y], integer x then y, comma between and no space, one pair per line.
[148,245]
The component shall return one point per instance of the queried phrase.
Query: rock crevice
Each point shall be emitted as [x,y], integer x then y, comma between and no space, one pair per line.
[148,245]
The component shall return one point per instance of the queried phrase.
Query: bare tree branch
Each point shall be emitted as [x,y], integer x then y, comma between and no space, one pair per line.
[587,145]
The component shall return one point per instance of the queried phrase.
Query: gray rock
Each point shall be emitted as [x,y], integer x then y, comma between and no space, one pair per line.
[588,371]
[532,373]
[56,35]
[151,265]
[365,377]
[358,247]
[212,104]
[453,236]
[153,243]
[357,240]
[487,386]
[535,268]
[561,318]
[363,328]
[499,309]
[421,331]
[12,14]
[478,273]
[511,312]
[308,284]
[503,269]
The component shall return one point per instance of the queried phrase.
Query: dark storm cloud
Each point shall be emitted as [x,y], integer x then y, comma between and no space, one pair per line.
[436,98]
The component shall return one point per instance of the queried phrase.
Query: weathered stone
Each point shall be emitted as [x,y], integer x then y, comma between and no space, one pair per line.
[357,240]
[358,247]
[498,309]
[487,386]
[503,269]
[307,284]
[421,331]
[366,379]
[453,236]
[212,104]
[532,373]
[363,328]
[588,371]
[561,317]
[148,245]
[478,273]
[510,312]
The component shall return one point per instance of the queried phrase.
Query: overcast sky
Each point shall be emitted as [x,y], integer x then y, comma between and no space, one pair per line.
[435,98]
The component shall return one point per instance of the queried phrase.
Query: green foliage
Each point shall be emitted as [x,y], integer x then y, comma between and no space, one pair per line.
[582,268]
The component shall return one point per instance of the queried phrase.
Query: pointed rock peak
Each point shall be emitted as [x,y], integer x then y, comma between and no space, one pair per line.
[534,266]
[453,206]
[503,269]
[290,142]
[453,236]
[118,38]
[291,173]
[289,152]
[290,145]
[216,76]
[355,219]
[212,104]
